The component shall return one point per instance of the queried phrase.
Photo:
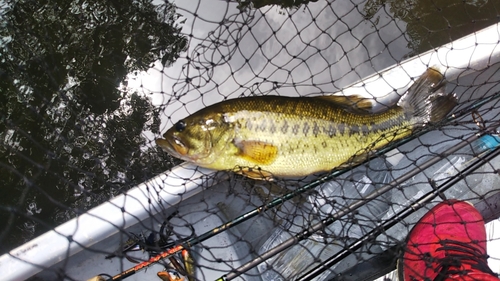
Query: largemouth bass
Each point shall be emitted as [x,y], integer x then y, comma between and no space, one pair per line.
[273,136]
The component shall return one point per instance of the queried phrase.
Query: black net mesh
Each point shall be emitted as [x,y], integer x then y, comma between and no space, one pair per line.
[87,86]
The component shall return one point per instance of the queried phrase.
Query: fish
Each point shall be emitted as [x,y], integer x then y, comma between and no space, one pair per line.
[168,276]
[188,270]
[264,137]
[188,265]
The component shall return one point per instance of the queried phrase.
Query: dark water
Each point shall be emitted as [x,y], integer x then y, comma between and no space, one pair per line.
[71,129]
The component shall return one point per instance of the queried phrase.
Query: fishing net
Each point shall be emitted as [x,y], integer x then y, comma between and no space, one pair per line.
[87,86]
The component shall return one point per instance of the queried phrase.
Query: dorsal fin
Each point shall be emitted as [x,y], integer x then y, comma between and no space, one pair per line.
[353,103]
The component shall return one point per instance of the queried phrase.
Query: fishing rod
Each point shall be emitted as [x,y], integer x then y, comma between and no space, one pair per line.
[209,234]
[279,200]
[398,217]
[307,232]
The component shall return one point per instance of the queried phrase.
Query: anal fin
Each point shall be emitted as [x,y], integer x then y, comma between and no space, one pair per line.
[254,173]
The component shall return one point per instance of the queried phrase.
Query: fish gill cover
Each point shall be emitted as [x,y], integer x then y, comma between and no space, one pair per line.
[89,88]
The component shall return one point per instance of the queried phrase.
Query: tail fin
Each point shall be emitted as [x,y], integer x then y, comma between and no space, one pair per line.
[426,100]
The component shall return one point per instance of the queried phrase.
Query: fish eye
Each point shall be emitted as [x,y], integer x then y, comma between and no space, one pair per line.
[180,126]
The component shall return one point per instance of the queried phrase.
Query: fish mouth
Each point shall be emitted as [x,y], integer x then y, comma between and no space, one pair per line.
[173,145]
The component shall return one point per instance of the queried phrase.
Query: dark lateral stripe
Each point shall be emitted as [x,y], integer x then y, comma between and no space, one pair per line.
[341,128]
[330,130]
[273,128]
[249,124]
[284,128]
[388,123]
[306,128]
[315,129]
[262,126]
[360,129]
[364,129]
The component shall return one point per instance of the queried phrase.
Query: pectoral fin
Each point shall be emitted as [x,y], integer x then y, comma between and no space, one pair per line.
[258,152]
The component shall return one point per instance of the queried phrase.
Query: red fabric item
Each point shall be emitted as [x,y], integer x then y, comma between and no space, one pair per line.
[448,243]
